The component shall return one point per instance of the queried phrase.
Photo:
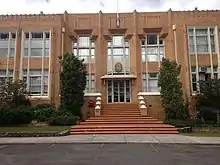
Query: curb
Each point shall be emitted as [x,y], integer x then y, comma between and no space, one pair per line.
[165,143]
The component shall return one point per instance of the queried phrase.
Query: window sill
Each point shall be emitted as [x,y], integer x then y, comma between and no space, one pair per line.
[92,94]
[149,94]
[38,97]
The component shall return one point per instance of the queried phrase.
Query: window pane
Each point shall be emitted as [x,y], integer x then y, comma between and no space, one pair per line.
[127,51]
[45,89]
[12,52]
[37,35]
[143,50]
[152,39]
[92,44]
[36,52]
[3,52]
[109,43]
[92,59]
[201,31]
[75,52]
[152,86]
[153,75]
[83,52]
[152,58]
[47,52]
[118,40]
[152,50]
[47,35]
[25,52]
[92,52]
[109,51]
[86,59]
[118,51]
[84,41]
[212,38]
[161,50]
[202,48]
[35,81]
[35,90]
[190,31]
[143,57]
[4,36]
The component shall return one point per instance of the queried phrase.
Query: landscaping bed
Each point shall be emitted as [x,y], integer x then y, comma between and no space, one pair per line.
[34,131]
[203,134]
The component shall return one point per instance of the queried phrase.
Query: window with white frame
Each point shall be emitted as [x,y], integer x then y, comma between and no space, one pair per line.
[7,44]
[84,48]
[118,52]
[90,83]
[149,82]
[152,48]
[37,44]
[37,81]
[6,75]
[201,40]
[204,73]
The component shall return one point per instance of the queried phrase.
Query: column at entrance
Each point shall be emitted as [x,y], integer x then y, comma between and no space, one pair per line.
[119,91]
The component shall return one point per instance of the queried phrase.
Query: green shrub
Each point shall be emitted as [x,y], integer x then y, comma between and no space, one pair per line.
[40,106]
[185,123]
[44,114]
[63,120]
[15,115]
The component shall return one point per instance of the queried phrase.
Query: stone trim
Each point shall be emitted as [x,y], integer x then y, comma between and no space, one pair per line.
[149,94]
[92,94]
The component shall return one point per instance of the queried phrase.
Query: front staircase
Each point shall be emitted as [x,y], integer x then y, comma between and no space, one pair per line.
[122,119]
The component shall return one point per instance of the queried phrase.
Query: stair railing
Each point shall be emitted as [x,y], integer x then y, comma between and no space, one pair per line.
[142,106]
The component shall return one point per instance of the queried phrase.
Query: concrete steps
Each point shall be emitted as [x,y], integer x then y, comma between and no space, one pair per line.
[122,119]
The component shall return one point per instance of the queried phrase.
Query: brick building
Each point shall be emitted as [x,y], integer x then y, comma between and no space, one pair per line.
[123,60]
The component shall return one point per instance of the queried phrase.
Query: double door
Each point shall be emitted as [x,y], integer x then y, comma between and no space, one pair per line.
[119,91]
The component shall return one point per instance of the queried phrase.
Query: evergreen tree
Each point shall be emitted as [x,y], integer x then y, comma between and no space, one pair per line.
[208,102]
[171,91]
[73,83]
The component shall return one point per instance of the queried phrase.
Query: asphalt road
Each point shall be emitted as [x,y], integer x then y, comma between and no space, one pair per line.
[109,154]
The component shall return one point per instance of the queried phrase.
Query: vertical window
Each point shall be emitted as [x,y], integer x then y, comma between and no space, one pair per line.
[149,82]
[7,44]
[204,73]
[118,61]
[36,51]
[152,48]
[200,39]
[37,81]
[90,83]
[36,44]
[6,75]
[84,49]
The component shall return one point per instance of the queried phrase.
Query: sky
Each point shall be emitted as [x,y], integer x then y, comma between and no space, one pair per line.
[107,6]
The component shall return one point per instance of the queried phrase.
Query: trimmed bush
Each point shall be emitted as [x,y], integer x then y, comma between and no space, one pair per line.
[44,114]
[63,120]
[15,115]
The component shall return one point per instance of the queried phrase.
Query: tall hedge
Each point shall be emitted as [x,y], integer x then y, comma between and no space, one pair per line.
[171,91]
[73,83]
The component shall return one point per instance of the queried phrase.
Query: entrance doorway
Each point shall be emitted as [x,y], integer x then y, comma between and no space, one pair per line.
[119,91]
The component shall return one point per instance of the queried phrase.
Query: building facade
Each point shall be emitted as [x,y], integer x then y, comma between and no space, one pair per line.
[122,60]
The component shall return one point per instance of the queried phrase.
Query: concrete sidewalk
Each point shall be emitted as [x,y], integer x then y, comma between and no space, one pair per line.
[119,138]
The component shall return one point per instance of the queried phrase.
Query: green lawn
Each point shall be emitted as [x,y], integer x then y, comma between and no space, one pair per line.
[202,134]
[35,129]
